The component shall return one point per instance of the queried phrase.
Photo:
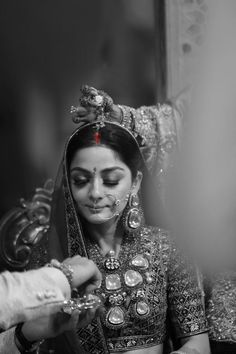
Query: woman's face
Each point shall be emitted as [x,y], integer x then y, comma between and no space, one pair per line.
[100,183]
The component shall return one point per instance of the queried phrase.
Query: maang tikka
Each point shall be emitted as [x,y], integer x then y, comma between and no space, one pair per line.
[100,103]
[133,216]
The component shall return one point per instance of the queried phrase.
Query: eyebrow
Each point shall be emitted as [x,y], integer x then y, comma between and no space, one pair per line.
[110,169]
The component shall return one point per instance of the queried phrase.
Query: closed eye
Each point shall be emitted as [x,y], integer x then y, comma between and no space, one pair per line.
[110,183]
[80,181]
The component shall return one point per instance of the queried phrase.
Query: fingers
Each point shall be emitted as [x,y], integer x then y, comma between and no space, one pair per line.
[84,115]
[81,111]
[87,111]
[87,317]
[64,322]
[91,287]
[74,319]
[85,272]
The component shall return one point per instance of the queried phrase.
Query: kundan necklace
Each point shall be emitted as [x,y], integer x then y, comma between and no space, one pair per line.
[125,283]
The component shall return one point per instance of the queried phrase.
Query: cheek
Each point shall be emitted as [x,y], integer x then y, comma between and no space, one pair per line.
[78,194]
[123,192]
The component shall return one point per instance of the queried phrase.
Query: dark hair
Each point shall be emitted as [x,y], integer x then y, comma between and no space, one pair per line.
[112,136]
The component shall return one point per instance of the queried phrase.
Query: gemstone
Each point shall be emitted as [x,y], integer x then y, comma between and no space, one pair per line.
[140,293]
[111,263]
[98,99]
[116,316]
[134,200]
[134,219]
[149,280]
[113,282]
[133,278]
[140,261]
[142,308]
[116,299]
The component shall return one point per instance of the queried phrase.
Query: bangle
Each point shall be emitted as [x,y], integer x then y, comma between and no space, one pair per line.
[127,118]
[67,270]
[22,343]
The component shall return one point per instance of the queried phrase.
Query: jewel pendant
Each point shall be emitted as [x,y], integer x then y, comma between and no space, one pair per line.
[112,282]
[142,308]
[134,219]
[115,318]
[133,278]
[117,298]
[111,263]
[140,262]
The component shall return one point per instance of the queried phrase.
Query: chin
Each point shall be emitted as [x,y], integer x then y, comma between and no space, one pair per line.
[97,219]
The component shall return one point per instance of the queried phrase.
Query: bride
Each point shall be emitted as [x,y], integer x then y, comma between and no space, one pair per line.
[106,207]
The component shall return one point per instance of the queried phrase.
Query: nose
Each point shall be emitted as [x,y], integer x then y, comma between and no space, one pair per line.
[95,192]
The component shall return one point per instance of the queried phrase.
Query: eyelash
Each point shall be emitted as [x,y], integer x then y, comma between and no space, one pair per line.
[111,183]
[81,183]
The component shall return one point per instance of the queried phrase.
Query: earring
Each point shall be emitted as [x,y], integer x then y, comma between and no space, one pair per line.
[132,217]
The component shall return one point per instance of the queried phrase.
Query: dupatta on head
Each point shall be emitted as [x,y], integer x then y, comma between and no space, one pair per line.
[67,238]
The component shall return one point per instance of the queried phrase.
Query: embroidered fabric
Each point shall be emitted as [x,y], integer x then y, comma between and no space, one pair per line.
[173,291]
[158,126]
[221,307]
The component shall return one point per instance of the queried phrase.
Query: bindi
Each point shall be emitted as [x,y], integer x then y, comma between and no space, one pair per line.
[94,171]
[97,137]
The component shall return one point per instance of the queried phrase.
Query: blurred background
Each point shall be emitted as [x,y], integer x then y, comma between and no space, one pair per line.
[48,50]
[139,51]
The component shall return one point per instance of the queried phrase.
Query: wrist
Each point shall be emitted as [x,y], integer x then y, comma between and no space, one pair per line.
[28,333]
[118,113]
[60,281]
[126,116]
[23,343]
[66,269]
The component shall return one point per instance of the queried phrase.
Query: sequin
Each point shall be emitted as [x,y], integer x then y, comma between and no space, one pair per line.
[133,278]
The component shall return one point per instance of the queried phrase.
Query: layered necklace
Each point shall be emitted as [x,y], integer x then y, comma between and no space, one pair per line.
[125,283]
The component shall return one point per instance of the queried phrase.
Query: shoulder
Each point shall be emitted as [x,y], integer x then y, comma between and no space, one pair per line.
[160,240]
[156,233]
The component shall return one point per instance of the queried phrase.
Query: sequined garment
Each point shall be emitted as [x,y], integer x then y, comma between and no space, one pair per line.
[159,127]
[221,307]
[172,288]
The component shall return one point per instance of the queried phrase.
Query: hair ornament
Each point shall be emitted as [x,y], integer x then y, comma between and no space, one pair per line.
[96,101]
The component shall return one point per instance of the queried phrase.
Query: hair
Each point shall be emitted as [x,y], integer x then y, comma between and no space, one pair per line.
[113,137]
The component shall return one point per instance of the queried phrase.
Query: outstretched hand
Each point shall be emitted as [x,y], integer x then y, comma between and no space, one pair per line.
[53,325]
[87,113]
[85,274]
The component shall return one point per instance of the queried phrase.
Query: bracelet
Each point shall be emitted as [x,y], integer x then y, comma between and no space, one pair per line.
[127,117]
[178,352]
[67,270]
[23,344]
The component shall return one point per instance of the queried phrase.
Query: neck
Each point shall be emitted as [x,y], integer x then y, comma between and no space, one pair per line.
[107,235]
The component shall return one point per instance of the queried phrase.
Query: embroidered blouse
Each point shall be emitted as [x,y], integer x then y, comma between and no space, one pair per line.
[169,288]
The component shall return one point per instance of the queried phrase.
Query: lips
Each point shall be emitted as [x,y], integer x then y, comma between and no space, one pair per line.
[95,207]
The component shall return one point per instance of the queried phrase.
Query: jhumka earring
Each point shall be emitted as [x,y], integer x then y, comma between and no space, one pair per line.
[132,217]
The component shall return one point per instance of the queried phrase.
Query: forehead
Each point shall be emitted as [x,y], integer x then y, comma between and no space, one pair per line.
[100,157]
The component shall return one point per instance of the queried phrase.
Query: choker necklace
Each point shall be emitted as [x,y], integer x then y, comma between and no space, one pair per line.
[125,283]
